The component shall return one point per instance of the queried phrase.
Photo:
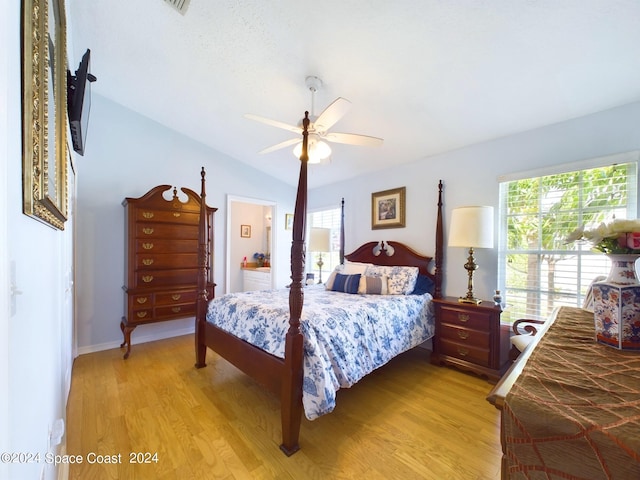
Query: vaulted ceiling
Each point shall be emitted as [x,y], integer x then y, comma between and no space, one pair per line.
[428,76]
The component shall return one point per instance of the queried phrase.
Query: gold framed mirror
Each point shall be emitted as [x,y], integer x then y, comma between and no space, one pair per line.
[45,154]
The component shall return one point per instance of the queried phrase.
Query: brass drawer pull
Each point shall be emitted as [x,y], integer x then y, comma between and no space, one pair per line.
[147,278]
[141,314]
[147,231]
[147,214]
[176,214]
[147,261]
[463,352]
[176,296]
[463,317]
[175,309]
[463,335]
[142,300]
[147,246]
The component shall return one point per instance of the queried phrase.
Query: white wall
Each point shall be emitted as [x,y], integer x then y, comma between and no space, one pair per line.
[126,155]
[36,339]
[470,178]
[4,254]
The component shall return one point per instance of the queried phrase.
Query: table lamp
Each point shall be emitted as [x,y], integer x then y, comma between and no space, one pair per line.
[320,242]
[471,227]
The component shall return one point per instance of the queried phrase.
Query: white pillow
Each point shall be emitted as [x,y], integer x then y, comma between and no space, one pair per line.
[349,268]
[400,280]
[329,283]
[353,268]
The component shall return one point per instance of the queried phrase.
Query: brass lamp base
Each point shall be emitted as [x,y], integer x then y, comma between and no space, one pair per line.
[470,267]
[320,264]
[473,300]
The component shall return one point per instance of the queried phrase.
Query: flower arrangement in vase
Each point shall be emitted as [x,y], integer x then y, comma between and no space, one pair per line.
[259,256]
[616,237]
[616,305]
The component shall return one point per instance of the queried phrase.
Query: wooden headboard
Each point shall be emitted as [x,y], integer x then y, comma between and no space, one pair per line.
[402,256]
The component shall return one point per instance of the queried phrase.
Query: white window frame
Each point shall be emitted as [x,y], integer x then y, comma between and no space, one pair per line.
[583,251]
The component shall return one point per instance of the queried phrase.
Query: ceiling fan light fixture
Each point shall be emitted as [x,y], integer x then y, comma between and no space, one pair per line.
[317,149]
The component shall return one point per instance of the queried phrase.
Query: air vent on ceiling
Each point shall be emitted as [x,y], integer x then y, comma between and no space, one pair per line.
[180,5]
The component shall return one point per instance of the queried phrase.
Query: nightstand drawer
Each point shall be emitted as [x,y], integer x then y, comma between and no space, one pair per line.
[466,318]
[479,356]
[473,338]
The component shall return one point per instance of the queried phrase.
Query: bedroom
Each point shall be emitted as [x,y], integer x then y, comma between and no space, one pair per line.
[108,173]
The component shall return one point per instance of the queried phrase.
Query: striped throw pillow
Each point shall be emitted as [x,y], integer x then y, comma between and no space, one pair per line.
[346,283]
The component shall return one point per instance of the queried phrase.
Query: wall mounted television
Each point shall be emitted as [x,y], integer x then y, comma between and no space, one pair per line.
[79,102]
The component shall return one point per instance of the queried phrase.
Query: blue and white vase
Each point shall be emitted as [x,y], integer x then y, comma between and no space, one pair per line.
[616,305]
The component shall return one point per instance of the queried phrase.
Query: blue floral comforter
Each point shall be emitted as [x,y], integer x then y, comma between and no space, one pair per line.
[346,336]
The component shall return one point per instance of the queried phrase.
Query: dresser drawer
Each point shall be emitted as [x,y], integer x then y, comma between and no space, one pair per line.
[166,278]
[464,318]
[139,302]
[141,315]
[184,310]
[148,261]
[165,230]
[479,356]
[466,336]
[167,216]
[154,245]
[174,298]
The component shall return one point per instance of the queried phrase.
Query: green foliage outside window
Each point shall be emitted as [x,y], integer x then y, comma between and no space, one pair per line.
[540,269]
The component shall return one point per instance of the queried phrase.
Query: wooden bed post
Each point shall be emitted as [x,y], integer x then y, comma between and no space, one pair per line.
[203,256]
[439,246]
[292,379]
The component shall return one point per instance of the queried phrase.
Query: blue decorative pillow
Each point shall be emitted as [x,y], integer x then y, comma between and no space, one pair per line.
[346,283]
[400,280]
[424,284]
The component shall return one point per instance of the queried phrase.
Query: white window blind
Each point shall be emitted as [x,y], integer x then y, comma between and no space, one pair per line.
[538,270]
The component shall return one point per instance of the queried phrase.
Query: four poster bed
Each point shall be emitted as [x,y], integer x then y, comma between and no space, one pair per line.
[304,357]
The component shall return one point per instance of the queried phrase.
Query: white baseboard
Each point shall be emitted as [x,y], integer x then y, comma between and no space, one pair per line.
[139,339]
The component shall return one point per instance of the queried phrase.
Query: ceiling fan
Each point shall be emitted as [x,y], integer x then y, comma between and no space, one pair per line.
[318,128]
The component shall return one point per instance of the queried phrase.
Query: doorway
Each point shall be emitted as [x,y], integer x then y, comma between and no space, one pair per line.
[249,231]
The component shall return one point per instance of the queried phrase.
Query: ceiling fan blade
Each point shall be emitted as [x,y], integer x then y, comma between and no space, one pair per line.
[332,114]
[353,139]
[280,145]
[273,123]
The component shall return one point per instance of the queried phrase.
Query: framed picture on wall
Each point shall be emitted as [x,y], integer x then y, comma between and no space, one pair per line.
[245,231]
[45,154]
[288,221]
[388,208]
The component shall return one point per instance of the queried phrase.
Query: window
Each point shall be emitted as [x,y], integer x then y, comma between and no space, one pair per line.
[325,219]
[538,270]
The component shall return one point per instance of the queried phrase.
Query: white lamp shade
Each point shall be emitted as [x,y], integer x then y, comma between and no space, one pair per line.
[471,227]
[319,240]
[316,148]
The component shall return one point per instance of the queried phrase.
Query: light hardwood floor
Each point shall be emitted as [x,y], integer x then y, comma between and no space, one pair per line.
[407,420]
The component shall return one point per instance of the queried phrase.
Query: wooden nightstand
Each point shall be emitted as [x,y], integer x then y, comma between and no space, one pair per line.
[470,337]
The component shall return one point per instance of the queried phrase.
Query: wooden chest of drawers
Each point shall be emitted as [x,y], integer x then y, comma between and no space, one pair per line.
[161,258]
[470,337]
